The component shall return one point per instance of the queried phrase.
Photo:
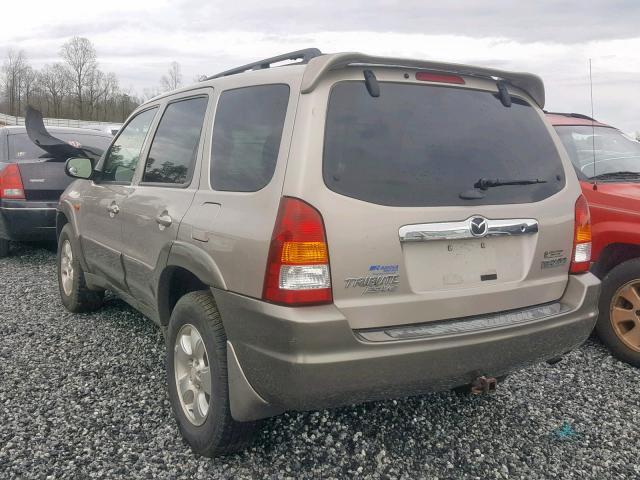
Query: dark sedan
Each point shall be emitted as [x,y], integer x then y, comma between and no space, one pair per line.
[32,178]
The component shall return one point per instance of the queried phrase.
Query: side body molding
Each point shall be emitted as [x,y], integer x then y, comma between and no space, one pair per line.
[197,261]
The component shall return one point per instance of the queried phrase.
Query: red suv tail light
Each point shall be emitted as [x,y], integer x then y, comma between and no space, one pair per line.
[581,255]
[11,182]
[298,262]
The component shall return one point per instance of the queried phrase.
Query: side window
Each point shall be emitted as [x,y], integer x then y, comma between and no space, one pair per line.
[246,137]
[123,155]
[175,144]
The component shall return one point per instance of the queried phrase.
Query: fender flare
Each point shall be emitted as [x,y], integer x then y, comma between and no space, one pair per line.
[65,207]
[190,258]
[197,261]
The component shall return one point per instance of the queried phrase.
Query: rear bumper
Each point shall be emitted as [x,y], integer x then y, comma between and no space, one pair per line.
[24,220]
[309,358]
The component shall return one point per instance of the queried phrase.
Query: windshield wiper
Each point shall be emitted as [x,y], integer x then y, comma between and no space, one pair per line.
[622,174]
[485,183]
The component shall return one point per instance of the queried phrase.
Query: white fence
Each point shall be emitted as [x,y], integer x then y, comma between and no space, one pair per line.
[57,122]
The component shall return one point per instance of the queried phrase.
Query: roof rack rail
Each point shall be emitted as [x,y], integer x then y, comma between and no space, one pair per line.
[574,115]
[303,55]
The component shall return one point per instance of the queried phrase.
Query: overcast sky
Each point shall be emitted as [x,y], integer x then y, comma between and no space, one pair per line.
[137,39]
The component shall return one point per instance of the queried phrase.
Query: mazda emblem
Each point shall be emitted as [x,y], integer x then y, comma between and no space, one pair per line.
[478,226]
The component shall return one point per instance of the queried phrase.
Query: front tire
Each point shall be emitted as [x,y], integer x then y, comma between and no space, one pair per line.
[75,295]
[618,323]
[197,378]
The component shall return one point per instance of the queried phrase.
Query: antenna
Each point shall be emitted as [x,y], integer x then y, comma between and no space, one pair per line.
[593,125]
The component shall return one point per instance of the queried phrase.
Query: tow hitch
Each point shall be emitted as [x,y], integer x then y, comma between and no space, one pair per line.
[483,385]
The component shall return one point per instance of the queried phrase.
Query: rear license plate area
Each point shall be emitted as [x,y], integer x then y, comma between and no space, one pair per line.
[468,261]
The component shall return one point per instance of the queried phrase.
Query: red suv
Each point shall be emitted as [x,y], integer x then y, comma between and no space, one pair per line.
[608,166]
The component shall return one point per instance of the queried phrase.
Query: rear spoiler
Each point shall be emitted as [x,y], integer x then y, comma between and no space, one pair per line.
[319,66]
[55,147]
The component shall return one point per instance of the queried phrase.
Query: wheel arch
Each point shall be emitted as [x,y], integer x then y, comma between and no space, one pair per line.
[65,216]
[613,255]
[188,269]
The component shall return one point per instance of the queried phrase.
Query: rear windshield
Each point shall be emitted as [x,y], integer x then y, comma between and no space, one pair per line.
[599,150]
[22,148]
[420,145]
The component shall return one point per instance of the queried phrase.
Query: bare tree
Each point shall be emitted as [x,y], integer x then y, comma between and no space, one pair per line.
[28,84]
[108,93]
[95,86]
[55,81]
[80,56]
[12,71]
[76,88]
[173,79]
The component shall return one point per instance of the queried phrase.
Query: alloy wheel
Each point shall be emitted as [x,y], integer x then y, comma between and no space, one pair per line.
[192,374]
[66,267]
[625,314]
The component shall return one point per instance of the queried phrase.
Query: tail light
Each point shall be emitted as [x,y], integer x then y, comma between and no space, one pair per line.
[11,183]
[581,255]
[298,262]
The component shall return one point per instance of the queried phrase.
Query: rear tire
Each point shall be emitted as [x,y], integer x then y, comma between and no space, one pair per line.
[75,295]
[618,324]
[4,247]
[204,419]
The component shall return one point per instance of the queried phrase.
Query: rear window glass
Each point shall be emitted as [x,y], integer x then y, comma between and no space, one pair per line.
[22,148]
[599,150]
[246,137]
[420,145]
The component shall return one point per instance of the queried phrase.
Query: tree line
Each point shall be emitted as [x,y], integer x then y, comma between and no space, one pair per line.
[73,87]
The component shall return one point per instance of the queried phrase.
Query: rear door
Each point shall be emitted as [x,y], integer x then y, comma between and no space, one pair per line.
[100,222]
[152,213]
[410,238]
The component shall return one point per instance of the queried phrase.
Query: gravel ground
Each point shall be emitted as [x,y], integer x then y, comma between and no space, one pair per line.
[83,396]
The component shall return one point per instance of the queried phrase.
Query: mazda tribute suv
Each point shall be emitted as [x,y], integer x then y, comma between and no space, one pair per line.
[339,229]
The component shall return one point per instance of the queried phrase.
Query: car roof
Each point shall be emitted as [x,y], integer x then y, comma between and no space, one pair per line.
[577,119]
[314,65]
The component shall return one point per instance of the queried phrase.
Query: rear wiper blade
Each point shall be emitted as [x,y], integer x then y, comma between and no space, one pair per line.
[622,174]
[485,183]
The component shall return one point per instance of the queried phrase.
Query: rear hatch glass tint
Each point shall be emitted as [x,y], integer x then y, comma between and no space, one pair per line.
[421,145]
[21,147]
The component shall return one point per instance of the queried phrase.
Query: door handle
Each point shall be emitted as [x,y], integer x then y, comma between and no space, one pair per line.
[164,220]
[113,210]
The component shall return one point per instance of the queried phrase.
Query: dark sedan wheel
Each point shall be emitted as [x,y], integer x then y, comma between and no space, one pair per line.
[197,378]
[619,319]
[74,293]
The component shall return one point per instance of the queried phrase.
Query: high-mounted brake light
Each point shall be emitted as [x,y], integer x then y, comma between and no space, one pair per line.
[298,263]
[11,183]
[581,255]
[438,77]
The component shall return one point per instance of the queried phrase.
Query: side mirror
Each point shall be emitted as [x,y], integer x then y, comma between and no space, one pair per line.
[79,167]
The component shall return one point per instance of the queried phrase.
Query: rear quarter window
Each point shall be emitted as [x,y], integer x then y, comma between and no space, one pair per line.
[246,137]
[421,145]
